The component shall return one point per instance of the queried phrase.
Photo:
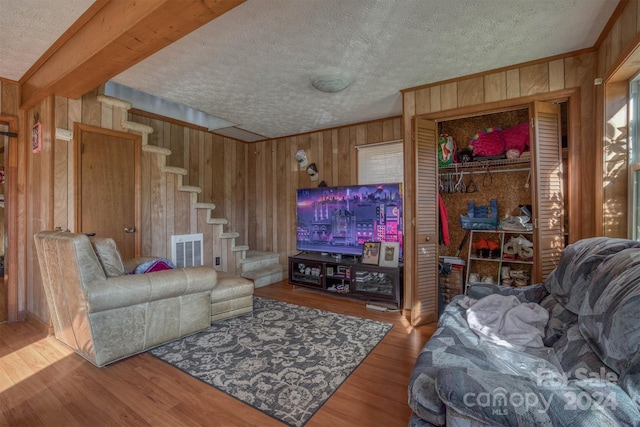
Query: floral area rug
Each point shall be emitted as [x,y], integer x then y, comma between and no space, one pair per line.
[283,359]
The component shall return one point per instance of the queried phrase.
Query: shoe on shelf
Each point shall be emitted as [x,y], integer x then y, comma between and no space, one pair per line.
[518,274]
[516,223]
[511,248]
[494,249]
[521,282]
[525,253]
[507,281]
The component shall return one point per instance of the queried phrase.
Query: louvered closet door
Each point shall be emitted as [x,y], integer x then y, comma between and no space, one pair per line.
[547,188]
[425,288]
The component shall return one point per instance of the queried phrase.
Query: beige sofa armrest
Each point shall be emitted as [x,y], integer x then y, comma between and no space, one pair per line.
[123,291]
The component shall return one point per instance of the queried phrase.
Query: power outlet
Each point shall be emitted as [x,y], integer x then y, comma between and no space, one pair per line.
[217,260]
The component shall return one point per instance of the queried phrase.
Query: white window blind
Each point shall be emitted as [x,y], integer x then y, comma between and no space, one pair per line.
[380,163]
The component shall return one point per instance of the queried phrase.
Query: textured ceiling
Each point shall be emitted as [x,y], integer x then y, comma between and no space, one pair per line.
[254,65]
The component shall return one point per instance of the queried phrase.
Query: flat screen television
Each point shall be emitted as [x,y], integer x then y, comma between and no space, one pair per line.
[338,220]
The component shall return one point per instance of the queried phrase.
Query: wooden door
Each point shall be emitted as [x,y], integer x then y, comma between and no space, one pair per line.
[108,186]
[547,188]
[425,286]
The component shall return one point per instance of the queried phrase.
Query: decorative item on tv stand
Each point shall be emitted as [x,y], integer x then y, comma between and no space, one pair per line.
[504,255]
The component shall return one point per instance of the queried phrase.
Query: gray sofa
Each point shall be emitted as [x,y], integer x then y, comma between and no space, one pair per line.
[586,374]
[106,314]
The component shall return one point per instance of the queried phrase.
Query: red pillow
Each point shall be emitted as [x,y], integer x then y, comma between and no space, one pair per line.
[488,142]
[154,265]
[517,137]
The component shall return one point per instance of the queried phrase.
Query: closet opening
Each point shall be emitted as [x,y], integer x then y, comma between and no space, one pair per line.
[475,175]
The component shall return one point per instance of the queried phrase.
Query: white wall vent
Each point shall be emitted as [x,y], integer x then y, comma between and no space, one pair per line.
[186,250]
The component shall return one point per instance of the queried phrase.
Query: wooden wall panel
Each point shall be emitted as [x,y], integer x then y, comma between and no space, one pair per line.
[269,194]
[616,39]
[146,207]
[91,109]
[40,202]
[470,92]
[449,95]
[534,79]
[285,218]
[495,87]
[372,131]
[158,196]
[610,146]
[556,75]
[628,23]
[513,83]
[422,100]
[274,176]
[215,174]
[434,96]
[61,167]
[9,99]
[214,163]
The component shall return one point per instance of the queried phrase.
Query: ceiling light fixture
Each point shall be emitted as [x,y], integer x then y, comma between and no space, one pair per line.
[331,83]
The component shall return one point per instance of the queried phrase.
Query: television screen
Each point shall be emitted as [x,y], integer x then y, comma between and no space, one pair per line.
[339,220]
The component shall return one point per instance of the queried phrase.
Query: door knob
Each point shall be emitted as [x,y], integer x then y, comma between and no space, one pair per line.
[427,239]
[129,229]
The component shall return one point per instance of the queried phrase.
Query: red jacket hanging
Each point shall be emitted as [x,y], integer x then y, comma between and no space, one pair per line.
[444,221]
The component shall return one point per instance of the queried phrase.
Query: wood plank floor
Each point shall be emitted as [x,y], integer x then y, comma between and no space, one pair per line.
[43,383]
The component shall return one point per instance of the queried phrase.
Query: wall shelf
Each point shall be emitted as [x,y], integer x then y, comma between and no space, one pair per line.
[495,264]
[486,164]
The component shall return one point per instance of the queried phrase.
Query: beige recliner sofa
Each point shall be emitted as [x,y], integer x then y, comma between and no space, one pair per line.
[105,314]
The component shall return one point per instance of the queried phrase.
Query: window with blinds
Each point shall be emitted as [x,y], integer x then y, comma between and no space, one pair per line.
[380,163]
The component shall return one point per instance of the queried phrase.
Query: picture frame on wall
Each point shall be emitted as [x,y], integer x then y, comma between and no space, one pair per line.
[36,137]
[371,253]
[389,254]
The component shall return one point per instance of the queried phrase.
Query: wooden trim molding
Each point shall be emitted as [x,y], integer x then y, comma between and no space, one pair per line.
[45,328]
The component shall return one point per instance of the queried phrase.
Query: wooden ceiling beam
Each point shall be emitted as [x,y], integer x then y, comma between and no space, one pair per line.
[111,36]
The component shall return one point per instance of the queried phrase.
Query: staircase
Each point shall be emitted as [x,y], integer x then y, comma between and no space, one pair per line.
[262,267]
